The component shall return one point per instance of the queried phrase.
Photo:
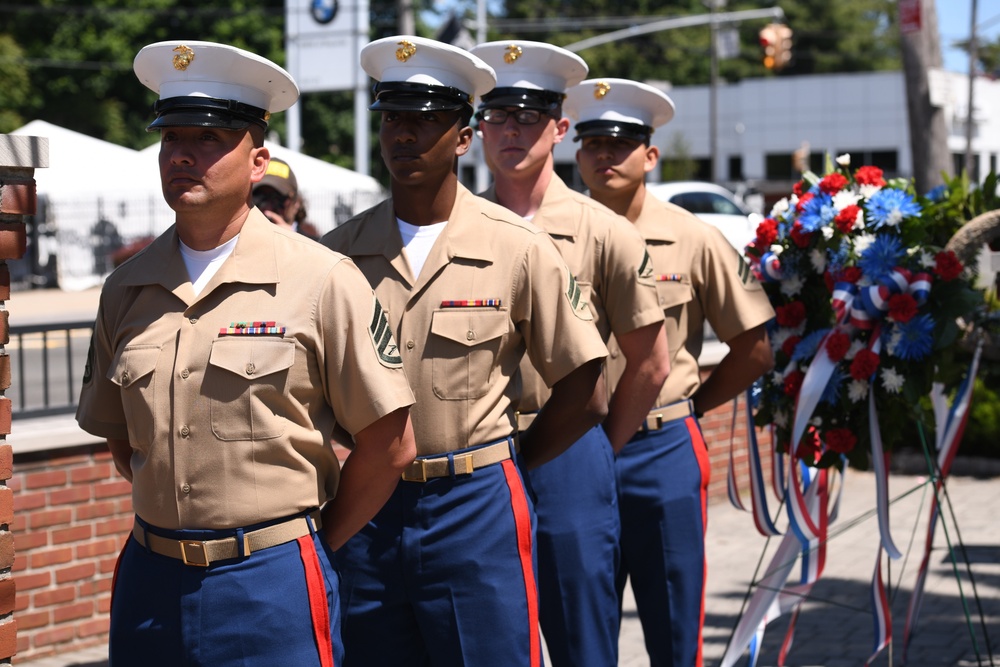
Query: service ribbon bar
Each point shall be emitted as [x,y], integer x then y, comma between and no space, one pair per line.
[470,303]
[252,329]
[669,278]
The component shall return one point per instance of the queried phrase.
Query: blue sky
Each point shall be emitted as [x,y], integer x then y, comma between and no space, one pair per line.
[953,25]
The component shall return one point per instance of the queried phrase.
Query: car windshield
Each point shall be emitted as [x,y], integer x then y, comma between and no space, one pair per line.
[706,203]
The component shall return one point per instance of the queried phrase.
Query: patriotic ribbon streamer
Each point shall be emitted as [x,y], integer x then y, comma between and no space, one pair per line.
[770,267]
[732,483]
[881,613]
[758,493]
[777,467]
[843,296]
[871,303]
[950,425]
[880,466]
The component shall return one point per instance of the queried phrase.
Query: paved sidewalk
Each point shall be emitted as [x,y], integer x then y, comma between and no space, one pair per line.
[835,627]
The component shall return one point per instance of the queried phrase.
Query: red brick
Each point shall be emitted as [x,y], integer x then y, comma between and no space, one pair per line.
[95,587]
[4,370]
[54,596]
[23,643]
[38,480]
[114,526]
[125,505]
[4,282]
[37,619]
[98,548]
[6,549]
[90,473]
[55,636]
[71,612]
[72,534]
[99,626]
[6,462]
[33,540]
[20,563]
[18,197]
[8,592]
[6,505]
[111,489]
[8,637]
[20,522]
[104,605]
[107,565]
[46,518]
[75,572]
[26,582]
[29,500]
[5,406]
[71,495]
[40,559]
[21,602]
[102,455]
[95,510]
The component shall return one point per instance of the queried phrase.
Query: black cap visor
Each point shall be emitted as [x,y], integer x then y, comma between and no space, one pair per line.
[406,96]
[206,112]
[613,128]
[524,98]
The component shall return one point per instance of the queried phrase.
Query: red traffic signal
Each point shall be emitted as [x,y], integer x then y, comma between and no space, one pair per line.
[776,40]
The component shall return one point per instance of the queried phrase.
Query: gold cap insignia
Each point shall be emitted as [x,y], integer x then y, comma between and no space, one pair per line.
[601,88]
[513,53]
[405,51]
[183,58]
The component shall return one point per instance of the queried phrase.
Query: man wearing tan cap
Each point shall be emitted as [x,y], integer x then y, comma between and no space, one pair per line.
[223,356]
[444,574]
[520,121]
[663,470]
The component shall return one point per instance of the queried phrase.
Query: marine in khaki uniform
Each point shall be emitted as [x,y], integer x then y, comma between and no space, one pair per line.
[663,471]
[223,356]
[520,122]
[444,575]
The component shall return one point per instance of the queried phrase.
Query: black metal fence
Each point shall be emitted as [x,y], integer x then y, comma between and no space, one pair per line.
[47,365]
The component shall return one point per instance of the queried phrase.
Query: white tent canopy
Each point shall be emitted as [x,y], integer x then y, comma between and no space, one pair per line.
[96,195]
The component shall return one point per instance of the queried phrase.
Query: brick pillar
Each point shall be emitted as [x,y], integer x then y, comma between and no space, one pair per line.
[19,157]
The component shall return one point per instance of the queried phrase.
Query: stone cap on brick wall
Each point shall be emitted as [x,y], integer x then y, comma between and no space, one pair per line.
[18,151]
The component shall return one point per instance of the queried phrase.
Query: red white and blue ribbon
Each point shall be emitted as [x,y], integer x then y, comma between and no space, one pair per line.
[881,613]
[732,483]
[758,491]
[770,267]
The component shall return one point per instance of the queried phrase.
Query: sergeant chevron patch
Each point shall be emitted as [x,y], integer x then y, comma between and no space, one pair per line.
[382,340]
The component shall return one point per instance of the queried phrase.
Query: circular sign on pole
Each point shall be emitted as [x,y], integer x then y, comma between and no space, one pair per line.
[324,11]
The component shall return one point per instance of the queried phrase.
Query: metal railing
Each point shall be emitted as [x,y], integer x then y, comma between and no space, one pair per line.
[47,366]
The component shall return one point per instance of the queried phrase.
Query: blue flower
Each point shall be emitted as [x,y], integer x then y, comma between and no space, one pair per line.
[880,258]
[890,207]
[938,193]
[837,257]
[817,212]
[806,349]
[913,340]
[831,392]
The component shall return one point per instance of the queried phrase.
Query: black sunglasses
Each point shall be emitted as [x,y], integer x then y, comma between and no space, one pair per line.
[522,116]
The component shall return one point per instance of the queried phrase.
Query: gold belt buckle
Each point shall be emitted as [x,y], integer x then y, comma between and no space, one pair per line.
[463,464]
[408,475]
[197,549]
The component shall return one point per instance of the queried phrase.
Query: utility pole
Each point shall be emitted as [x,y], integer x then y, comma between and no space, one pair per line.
[405,21]
[921,49]
[970,163]
[713,91]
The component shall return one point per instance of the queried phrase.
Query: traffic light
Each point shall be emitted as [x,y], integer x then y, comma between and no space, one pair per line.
[776,40]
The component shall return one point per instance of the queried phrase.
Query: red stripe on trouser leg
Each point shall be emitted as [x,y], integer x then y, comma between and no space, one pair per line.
[318,604]
[701,453]
[522,523]
[114,576]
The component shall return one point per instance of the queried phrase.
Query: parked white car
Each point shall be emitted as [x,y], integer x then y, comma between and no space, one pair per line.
[715,205]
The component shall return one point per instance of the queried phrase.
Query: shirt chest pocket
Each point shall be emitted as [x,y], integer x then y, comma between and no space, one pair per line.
[246,381]
[464,347]
[132,371]
[673,293]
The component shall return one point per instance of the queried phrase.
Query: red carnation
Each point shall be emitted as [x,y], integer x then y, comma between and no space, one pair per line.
[902,307]
[841,440]
[791,315]
[809,447]
[799,237]
[947,266]
[793,382]
[828,281]
[798,188]
[846,218]
[833,183]
[849,274]
[869,176]
[864,364]
[837,344]
[767,233]
[789,345]
[803,200]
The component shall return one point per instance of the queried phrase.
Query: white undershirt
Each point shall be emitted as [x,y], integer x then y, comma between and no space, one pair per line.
[203,264]
[418,241]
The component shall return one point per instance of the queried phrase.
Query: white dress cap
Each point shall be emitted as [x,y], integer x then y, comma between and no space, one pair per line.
[619,100]
[194,69]
[432,67]
[533,65]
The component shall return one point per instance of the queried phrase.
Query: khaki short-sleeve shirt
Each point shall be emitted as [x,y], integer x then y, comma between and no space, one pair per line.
[607,256]
[699,277]
[492,288]
[229,399]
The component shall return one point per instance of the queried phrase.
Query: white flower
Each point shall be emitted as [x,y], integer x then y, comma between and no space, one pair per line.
[844,160]
[777,249]
[792,285]
[927,260]
[818,258]
[895,217]
[779,337]
[845,198]
[893,342]
[862,241]
[827,232]
[852,351]
[857,390]
[779,207]
[816,421]
[892,381]
[777,378]
[780,419]
[868,190]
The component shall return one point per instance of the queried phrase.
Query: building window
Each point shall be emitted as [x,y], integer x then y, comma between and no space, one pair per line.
[736,167]
[887,160]
[783,167]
